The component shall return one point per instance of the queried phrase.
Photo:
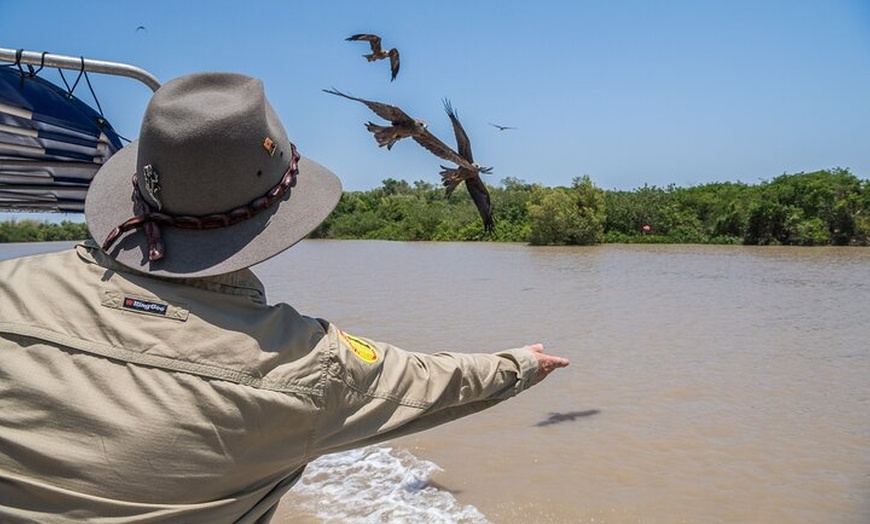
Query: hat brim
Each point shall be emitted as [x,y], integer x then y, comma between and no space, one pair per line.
[205,252]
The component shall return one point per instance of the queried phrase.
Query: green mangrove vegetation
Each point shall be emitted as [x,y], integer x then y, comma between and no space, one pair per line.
[828,207]
[41,231]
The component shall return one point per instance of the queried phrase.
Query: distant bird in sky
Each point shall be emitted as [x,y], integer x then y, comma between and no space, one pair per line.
[141,28]
[378,53]
[500,128]
[453,177]
[403,126]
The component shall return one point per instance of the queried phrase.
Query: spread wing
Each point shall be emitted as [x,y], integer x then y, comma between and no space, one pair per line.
[462,142]
[480,195]
[440,149]
[373,40]
[394,63]
[386,111]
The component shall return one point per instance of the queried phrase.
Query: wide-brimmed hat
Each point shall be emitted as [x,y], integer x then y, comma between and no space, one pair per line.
[212,185]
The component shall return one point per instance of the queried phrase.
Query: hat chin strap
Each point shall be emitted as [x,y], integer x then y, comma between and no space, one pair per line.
[150,220]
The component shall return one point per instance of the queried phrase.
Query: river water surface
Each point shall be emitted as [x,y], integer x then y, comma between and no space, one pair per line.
[707,383]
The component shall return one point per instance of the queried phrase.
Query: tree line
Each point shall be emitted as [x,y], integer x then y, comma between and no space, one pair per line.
[28,230]
[828,207]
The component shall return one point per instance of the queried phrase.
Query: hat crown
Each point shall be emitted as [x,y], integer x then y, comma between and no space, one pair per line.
[209,143]
[211,195]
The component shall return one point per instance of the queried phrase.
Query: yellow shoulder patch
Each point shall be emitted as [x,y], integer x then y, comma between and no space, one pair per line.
[362,349]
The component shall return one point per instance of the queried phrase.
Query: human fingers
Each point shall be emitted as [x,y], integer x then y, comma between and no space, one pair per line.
[546,363]
[536,347]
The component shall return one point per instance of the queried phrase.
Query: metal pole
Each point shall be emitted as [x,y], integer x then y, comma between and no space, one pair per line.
[76,63]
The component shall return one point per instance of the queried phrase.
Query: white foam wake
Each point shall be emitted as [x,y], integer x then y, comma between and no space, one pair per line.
[378,484]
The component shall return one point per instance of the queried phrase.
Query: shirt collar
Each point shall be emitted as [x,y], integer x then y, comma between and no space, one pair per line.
[241,282]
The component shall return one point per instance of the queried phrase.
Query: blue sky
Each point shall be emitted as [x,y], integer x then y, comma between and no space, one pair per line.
[628,92]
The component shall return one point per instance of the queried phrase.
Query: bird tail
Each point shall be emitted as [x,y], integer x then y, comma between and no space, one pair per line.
[383,135]
[450,179]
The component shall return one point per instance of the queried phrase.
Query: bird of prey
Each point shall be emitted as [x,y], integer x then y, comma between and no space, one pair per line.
[453,177]
[500,128]
[378,53]
[403,126]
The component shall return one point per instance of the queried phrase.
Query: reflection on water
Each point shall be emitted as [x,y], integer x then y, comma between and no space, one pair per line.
[707,383]
[556,418]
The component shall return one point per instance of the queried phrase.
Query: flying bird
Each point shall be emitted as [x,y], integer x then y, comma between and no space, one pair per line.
[403,126]
[453,177]
[141,28]
[500,128]
[378,53]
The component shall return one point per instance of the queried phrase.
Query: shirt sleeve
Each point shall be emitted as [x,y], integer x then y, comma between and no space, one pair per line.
[376,391]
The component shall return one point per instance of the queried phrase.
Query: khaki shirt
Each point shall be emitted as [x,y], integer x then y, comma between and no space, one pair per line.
[128,398]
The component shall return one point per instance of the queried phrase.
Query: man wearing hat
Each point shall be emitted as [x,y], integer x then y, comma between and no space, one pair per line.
[144,377]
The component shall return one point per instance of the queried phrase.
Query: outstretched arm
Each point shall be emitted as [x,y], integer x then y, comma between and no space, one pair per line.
[378,392]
